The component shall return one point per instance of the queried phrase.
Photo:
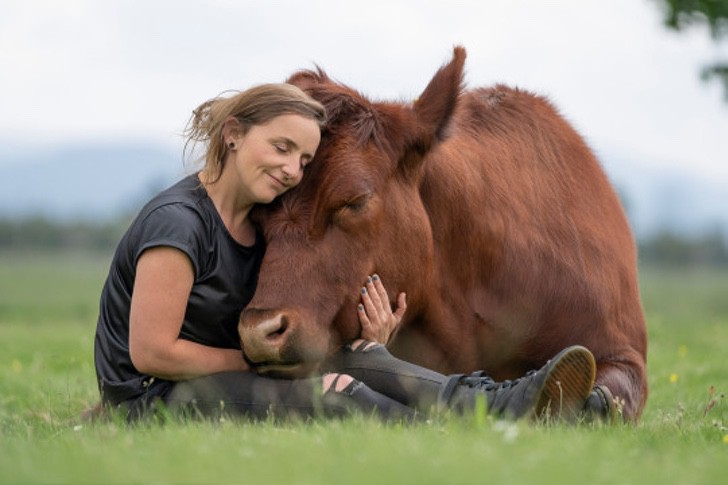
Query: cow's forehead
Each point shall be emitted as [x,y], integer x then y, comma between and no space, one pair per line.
[343,170]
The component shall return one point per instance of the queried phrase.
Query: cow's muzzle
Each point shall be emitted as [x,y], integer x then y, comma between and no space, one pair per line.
[281,343]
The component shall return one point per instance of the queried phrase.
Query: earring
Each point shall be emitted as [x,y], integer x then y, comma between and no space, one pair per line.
[231,145]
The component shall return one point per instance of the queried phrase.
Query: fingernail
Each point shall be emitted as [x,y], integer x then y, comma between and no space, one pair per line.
[369,279]
[360,307]
[363,291]
[375,277]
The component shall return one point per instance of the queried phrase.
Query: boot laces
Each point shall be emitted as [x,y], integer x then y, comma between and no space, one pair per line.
[487,383]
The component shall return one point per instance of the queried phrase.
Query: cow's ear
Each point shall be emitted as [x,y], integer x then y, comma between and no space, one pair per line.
[307,79]
[436,104]
[434,108]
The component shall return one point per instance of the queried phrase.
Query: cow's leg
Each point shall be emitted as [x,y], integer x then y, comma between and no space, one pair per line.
[626,380]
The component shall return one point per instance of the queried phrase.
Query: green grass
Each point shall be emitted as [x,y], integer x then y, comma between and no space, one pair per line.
[48,308]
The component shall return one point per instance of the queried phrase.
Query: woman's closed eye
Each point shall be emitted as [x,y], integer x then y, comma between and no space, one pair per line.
[281,148]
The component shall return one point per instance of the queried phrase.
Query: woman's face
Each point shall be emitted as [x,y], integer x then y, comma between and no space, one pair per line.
[269,159]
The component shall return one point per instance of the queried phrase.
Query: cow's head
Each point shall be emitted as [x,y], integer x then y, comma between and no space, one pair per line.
[357,212]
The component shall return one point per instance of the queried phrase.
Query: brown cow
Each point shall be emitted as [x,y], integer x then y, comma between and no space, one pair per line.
[485,206]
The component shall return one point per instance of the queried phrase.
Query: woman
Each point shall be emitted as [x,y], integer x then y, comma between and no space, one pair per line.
[188,265]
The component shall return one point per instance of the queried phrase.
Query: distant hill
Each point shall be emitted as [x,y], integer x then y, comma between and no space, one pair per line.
[102,181]
[96,181]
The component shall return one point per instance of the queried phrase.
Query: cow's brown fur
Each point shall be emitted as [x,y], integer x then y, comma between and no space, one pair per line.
[485,206]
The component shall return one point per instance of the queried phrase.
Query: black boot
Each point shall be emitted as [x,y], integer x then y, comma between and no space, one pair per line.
[600,406]
[558,390]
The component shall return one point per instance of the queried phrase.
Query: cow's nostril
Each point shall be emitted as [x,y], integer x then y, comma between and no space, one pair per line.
[281,328]
[266,334]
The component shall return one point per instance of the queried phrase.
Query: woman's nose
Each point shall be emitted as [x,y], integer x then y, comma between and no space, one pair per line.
[292,167]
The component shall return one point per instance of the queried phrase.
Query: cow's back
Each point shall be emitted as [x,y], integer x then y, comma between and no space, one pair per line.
[533,249]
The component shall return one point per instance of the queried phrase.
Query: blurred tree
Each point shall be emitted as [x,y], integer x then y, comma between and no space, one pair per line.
[38,232]
[681,14]
[667,247]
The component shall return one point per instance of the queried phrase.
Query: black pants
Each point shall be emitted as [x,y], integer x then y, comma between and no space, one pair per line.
[387,387]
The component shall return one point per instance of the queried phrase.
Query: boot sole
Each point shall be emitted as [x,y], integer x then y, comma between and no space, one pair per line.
[568,384]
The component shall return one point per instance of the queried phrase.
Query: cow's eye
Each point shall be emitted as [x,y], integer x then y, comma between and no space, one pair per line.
[356,205]
[350,209]
[353,213]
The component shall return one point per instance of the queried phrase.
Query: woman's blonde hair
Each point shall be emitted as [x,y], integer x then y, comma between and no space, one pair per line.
[255,106]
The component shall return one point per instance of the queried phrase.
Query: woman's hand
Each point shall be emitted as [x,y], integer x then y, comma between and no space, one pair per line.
[378,322]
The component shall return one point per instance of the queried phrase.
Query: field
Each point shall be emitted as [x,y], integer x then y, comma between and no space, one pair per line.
[47,317]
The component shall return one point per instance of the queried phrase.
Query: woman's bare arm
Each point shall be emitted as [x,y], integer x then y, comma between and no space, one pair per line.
[162,287]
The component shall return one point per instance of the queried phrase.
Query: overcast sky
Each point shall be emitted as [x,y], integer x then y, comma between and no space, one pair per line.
[77,70]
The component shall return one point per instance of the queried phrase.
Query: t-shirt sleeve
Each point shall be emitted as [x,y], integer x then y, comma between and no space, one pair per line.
[173,225]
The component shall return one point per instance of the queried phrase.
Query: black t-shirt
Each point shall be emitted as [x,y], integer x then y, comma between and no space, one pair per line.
[183,217]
